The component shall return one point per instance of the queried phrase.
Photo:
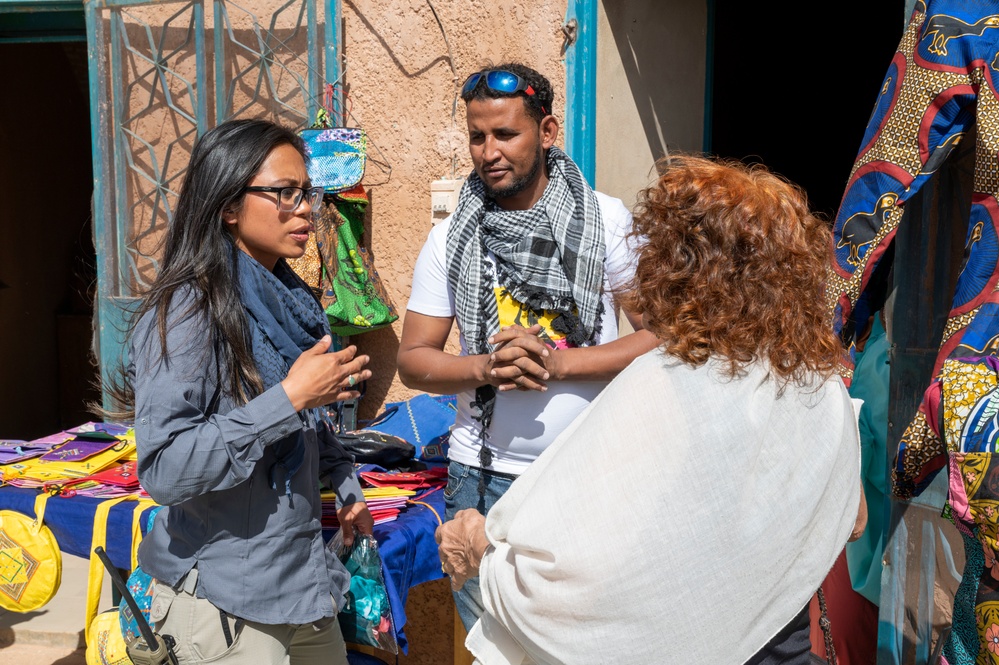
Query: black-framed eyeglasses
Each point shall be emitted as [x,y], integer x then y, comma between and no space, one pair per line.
[289,198]
[500,80]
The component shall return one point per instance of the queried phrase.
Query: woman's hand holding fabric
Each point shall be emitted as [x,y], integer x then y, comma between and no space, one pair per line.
[462,542]
[520,359]
[318,378]
[355,516]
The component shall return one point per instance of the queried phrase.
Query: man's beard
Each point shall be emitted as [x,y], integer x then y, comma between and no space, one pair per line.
[519,184]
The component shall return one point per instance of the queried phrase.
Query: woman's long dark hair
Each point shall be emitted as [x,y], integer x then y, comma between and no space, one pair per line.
[200,253]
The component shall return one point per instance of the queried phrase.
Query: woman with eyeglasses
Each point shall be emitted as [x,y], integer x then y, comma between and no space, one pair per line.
[690,514]
[229,374]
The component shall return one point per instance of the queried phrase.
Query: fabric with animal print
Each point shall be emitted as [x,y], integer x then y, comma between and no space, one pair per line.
[942,81]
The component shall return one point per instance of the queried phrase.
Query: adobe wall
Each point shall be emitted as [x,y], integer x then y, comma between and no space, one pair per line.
[401,90]
[400,85]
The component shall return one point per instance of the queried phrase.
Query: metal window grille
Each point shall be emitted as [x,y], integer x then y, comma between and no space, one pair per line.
[162,72]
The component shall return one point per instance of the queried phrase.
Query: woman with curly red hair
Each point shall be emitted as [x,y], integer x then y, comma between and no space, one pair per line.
[732,265]
[693,510]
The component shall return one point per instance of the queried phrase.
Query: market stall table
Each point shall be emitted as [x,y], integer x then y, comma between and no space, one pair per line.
[407,546]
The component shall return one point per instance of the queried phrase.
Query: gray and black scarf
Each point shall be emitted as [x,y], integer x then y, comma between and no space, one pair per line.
[285,319]
[549,258]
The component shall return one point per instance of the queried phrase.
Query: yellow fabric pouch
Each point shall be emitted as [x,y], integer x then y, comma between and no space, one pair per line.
[106,646]
[30,560]
[105,643]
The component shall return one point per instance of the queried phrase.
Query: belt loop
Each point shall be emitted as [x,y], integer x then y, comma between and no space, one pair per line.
[190,581]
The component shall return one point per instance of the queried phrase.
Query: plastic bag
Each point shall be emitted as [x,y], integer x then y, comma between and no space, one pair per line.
[366,618]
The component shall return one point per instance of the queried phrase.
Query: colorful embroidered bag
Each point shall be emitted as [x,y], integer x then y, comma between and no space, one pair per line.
[423,420]
[140,583]
[336,264]
[84,455]
[336,155]
[107,646]
[340,270]
[30,560]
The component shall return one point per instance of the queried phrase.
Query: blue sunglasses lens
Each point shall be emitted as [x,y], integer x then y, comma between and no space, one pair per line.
[496,80]
[502,81]
[470,84]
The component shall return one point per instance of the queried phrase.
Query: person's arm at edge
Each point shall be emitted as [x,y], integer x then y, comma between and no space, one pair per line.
[860,525]
[604,361]
[591,363]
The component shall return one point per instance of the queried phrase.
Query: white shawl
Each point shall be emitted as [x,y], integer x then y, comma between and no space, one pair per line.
[682,518]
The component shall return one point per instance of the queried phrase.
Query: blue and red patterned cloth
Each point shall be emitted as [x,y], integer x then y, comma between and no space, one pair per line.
[941,83]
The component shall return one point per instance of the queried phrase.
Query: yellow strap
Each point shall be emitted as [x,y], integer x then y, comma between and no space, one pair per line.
[40,501]
[137,528]
[95,577]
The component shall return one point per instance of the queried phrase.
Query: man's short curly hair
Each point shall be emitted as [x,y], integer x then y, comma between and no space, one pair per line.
[732,264]
[537,105]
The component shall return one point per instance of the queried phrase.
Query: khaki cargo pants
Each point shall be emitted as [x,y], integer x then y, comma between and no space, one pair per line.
[196,626]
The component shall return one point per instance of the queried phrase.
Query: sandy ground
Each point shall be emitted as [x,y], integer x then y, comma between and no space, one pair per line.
[33,654]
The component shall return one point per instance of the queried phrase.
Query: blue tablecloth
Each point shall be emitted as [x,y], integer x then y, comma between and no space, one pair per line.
[72,522]
[409,553]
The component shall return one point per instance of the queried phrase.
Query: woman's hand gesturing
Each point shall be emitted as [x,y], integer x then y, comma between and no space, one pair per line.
[318,378]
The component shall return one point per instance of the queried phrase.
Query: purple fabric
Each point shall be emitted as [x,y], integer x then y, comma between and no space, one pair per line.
[52,439]
[18,451]
[114,429]
[77,450]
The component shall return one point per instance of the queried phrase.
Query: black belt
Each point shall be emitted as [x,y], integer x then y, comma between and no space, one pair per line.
[499,474]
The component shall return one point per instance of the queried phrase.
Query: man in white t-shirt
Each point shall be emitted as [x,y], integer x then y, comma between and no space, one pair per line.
[528,266]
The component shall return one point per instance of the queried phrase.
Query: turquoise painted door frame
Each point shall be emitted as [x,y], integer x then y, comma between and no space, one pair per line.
[162,68]
[581,87]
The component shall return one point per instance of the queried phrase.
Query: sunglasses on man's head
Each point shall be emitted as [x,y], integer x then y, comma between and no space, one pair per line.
[500,80]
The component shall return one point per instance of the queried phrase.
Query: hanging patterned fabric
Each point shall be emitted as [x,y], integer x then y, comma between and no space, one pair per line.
[941,82]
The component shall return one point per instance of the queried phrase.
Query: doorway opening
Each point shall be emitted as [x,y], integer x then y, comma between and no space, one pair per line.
[47,255]
[796,93]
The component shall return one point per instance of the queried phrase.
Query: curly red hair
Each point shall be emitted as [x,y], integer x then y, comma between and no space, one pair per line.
[732,264]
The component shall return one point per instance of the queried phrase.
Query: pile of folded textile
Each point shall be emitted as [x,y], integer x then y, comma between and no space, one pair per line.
[94,459]
[387,493]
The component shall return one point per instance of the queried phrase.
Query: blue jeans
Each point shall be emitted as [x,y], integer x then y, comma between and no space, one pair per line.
[462,492]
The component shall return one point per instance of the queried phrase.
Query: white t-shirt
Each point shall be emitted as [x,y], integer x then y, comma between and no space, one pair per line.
[524,422]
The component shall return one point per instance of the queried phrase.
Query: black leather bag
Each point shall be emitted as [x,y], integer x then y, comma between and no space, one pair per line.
[372,447]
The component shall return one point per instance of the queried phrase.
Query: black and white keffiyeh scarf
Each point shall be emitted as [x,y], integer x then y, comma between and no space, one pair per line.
[549,258]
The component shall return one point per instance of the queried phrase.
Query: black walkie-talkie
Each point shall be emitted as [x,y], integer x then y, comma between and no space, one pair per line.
[151,649]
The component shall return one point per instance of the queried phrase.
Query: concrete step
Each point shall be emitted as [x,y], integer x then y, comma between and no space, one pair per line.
[33,654]
[56,630]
